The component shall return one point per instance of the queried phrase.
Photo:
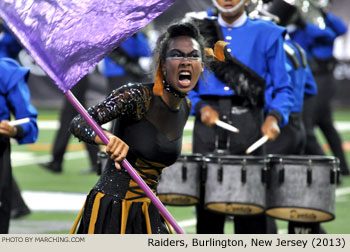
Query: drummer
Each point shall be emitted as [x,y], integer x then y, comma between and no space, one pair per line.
[292,139]
[222,95]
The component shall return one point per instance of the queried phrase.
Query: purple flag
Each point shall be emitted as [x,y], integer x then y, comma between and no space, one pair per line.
[67,38]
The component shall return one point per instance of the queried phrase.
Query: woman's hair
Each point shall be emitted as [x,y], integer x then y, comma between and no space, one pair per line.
[176,30]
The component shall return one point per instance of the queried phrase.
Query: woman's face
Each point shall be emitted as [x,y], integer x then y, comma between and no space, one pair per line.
[183,64]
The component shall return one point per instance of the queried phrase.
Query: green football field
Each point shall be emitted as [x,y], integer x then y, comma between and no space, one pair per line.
[32,178]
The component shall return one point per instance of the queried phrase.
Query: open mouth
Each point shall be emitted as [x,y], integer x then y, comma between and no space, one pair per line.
[185,78]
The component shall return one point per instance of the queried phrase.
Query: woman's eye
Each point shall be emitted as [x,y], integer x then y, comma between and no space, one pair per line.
[176,54]
[194,55]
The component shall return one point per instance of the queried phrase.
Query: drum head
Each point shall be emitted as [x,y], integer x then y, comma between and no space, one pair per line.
[177,199]
[300,214]
[235,208]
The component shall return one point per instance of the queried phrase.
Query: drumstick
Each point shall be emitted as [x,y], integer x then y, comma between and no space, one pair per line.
[257,144]
[19,121]
[226,126]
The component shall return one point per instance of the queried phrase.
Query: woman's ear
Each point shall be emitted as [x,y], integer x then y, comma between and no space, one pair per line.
[162,67]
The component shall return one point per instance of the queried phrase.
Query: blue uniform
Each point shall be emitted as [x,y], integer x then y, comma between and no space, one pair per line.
[292,139]
[301,78]
[260,47]
[318,42]
[14,99]
[9,47]
[136,46]
[15,93]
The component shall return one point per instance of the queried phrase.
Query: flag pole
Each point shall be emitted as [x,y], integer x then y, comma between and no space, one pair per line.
[167,215]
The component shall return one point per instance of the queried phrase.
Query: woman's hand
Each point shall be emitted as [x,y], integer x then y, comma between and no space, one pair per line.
[117,150]
[270,128]
[209,116]
[7,129]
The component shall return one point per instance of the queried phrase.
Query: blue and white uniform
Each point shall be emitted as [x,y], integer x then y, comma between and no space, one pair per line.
[15,100]
[260,47]
[318,43]
[292,139]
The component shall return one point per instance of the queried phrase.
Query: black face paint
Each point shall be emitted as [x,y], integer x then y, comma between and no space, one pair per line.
[176,54]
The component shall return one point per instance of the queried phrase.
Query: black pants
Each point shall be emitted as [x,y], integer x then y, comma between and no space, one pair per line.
[312,147]
[292,138]
[68,112]
[322,116]
[211,140]
[18,203]
[5,184]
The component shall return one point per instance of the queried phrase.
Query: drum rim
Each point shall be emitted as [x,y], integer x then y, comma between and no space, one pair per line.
[301,158]
[190,157]
[234,159]
[310,208]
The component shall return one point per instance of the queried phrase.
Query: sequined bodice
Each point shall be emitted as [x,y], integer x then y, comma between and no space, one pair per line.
[151,129]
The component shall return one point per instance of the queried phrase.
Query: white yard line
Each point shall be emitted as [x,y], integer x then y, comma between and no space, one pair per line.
[29,158]
[66,201]
[54,201]
[342,192]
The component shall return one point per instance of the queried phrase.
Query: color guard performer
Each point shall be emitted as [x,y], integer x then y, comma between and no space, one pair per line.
[150,119]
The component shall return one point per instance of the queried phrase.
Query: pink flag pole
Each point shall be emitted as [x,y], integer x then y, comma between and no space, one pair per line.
[167,215]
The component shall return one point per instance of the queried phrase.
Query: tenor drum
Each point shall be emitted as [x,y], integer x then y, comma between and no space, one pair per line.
[302,188]
[179,183]
[236,184]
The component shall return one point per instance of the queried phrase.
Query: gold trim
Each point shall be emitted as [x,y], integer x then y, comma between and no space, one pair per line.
[94,213]
[73,229]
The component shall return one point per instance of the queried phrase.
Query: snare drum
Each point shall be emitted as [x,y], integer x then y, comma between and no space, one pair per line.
[179,183]
[302,188]
[236,184]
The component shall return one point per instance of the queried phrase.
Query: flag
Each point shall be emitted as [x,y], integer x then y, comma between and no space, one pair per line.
[67,38]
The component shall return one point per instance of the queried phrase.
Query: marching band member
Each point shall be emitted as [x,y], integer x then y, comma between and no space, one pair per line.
[258,45]
[15,99]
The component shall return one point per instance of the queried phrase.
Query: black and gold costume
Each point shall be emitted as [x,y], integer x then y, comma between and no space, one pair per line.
[153,131]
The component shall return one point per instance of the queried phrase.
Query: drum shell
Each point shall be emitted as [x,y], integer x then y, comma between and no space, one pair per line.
[232,195]
[298,196]
[176,189]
